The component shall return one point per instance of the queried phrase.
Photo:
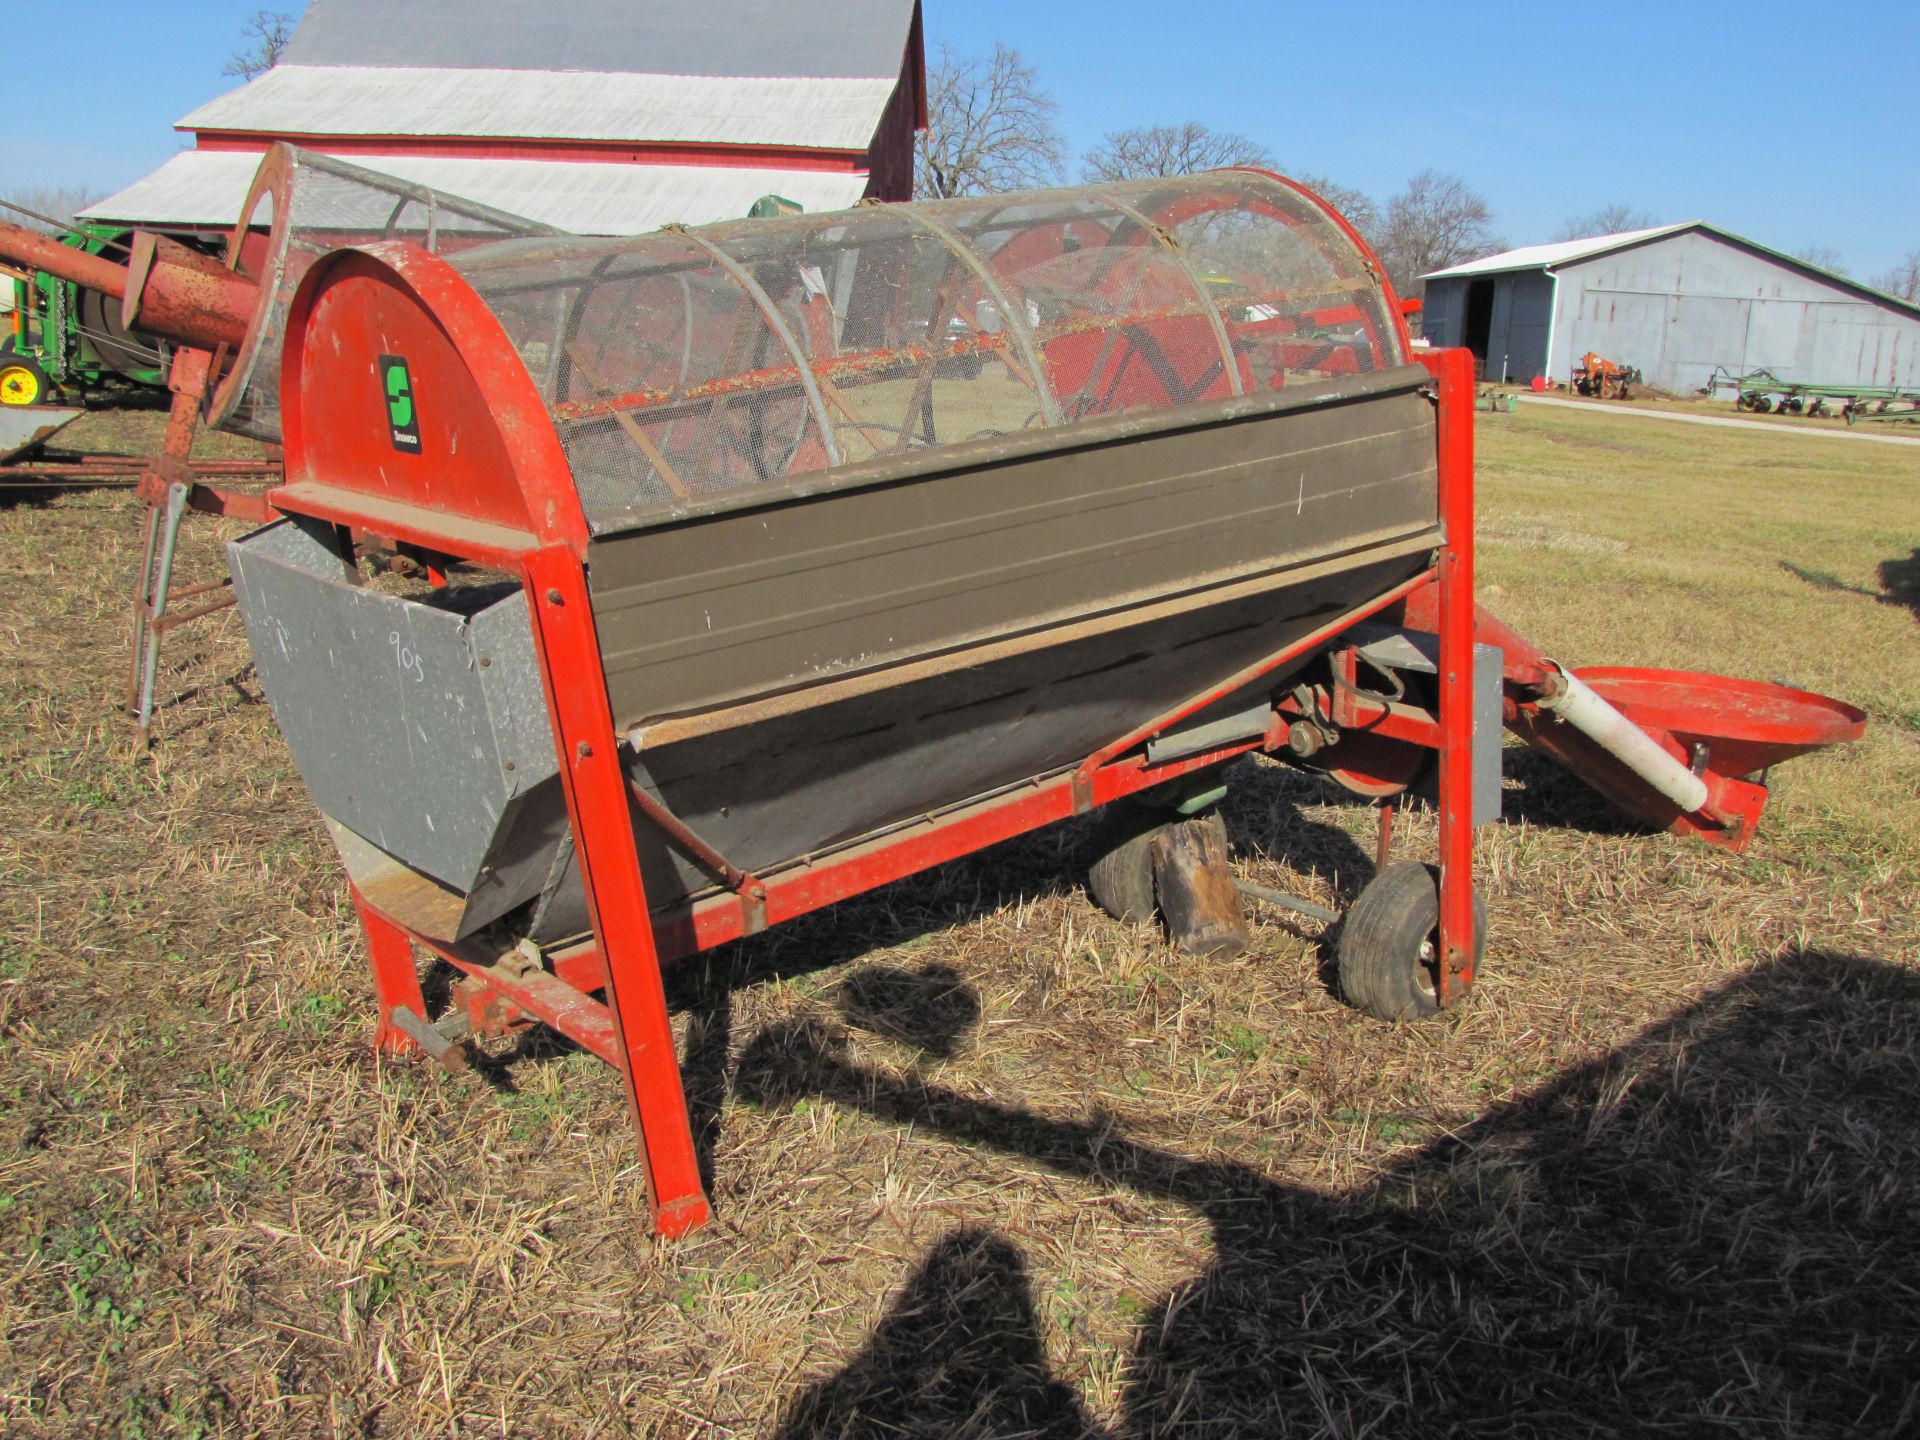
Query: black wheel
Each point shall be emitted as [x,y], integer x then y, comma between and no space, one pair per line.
[22,381]
[1388,945]
[1120,880]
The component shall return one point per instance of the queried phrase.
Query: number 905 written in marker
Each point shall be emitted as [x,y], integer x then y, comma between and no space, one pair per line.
[407,658]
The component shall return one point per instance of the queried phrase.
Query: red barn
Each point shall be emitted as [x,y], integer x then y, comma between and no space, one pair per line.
[598,116]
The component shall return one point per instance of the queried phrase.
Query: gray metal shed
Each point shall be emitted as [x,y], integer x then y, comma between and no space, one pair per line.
[1675,302]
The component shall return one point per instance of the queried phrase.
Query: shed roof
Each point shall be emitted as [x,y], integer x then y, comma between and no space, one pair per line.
[807,113]
[857,38]
[204,189]
[1547,257]
[1568,252]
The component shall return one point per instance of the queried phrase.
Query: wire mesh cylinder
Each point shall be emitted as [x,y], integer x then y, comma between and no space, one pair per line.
[685,363]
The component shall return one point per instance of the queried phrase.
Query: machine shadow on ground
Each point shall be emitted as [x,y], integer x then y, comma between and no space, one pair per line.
[1900,579]
[930,1010]
[1899,582]
[1706,1228]
[1263,817]
[1266,813]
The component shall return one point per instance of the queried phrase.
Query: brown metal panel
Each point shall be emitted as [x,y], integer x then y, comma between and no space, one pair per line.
[1006,539]
[769,791]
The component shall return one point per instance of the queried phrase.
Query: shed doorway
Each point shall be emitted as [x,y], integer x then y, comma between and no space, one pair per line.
[1478,334]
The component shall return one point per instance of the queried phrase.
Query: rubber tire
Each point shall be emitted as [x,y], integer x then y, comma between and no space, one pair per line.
[1381,969]
[43,386]
[1120,880]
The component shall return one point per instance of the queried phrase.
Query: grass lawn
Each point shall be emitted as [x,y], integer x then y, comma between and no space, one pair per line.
[987,1163]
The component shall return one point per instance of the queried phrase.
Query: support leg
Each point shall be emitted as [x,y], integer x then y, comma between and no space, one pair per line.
[609,861]
[154,607]
[1455,423]
[172,467]
[142,595]
[396,978]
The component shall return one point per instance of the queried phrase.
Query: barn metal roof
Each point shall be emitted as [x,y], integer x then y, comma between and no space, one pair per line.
[712,37]
[1568,252]
[1546,257]
[811,113]
[204,189]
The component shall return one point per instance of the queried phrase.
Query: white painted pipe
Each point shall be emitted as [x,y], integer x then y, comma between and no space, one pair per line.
[1614,733]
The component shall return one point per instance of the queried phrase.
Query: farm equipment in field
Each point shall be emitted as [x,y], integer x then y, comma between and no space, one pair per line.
[299,206]
[67,339]
[773,561]
[1762,392]
[1601,379]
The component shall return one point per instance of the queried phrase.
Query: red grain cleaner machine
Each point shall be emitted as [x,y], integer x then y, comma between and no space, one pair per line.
[774,561]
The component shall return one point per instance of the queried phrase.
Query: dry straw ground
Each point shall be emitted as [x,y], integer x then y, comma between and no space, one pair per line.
[986,1163]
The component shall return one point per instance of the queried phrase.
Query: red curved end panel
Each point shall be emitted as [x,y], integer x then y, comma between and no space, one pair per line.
[408,411]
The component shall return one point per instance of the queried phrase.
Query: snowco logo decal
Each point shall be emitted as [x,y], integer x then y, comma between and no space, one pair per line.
[403,415]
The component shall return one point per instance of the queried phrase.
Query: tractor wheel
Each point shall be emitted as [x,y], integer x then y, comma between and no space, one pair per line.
[1120,880]
[22,381]
[1389,955]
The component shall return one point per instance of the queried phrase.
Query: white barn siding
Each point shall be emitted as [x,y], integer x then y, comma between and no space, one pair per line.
[1679,306]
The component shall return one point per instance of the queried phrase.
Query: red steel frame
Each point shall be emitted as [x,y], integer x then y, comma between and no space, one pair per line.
[1453,371]
[542,541]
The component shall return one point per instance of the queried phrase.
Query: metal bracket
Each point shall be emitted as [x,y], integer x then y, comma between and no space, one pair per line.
[744,883]
[430,1038]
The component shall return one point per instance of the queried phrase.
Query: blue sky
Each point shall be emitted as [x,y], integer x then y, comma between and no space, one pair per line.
[1793,125]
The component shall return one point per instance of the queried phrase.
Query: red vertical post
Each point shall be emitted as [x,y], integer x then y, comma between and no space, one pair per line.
[1454,371]
[609,861]
[396,979]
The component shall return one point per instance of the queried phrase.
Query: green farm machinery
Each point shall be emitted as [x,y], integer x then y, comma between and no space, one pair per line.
[1762,392]
[64,340]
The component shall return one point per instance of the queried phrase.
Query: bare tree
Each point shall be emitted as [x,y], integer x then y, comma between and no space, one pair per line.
[1436,221]
[989,127]
[1903,280]
[47,203]
[1613,219]
[1359,209]
[264,38]
[1192,147]
[1170,150]
[1822,257]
